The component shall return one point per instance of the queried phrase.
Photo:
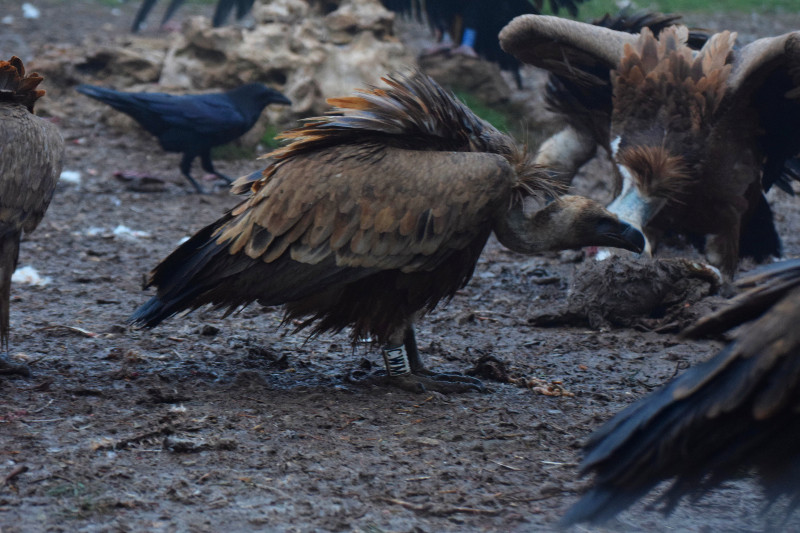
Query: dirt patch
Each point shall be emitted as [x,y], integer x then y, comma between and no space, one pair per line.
[208,424]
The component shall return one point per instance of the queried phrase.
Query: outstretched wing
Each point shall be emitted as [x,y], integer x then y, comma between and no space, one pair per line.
[565,47]
[766,76]
[735,411]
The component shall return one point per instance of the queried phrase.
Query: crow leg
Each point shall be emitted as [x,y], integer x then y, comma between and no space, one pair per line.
[208,166]
[8,368]
[186,170]
[171,9]
[405,369]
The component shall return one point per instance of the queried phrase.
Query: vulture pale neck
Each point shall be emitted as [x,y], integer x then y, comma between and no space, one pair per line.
[569,222]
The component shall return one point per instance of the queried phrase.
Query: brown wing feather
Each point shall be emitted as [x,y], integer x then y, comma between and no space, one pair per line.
[32,157]
[371,207]
[407,228]
[757,60]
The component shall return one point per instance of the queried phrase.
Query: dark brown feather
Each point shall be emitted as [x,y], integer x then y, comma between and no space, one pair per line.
[16,87]
[371,214]
[30,164]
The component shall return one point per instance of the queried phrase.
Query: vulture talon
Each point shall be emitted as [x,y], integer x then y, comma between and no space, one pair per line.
[444,383]
[370,216]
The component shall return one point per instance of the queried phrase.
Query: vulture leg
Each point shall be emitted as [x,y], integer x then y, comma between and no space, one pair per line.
[186,168]
[208,166]
[722,249]
[405,369]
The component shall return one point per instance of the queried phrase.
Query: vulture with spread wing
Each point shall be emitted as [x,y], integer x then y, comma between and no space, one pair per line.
[585,109]
[31,157]
[697,136]
[738,410]
[370,217]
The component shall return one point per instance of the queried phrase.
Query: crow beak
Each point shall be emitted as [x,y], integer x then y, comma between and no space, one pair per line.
[637,210]
[281,99]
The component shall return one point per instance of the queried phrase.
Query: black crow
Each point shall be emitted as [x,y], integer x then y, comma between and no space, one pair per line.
[192,124]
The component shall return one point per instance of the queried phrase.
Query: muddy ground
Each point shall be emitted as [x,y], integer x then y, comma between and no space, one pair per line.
[212,424]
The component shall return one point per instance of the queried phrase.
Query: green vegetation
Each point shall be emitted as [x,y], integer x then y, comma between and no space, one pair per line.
[496,117]
[268,140]
[233,152]
[597,8]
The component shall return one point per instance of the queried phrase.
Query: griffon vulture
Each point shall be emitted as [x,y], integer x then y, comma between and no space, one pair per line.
[697,136]
[371,216]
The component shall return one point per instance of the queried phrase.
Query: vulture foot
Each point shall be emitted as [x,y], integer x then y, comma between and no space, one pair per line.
[427,381]
[8,368]
[422,381]
[404,369]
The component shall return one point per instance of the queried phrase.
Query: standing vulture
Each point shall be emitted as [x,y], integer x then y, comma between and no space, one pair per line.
[697,136]
[738,410]
[371,216]
[31,156]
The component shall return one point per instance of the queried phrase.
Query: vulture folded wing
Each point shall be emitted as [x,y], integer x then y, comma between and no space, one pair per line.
[28,176]
[330,218]
[565,47]
[371,207]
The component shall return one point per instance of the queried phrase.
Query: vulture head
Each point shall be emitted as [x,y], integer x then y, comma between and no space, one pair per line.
[696,136]
[16,87]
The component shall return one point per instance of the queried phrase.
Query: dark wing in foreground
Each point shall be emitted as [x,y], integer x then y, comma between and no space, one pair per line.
[736,411]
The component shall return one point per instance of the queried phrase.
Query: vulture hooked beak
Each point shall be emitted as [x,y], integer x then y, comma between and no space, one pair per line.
[637,210]
[620,234]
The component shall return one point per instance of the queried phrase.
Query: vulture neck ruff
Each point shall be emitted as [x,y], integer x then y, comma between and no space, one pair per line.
[16,87]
